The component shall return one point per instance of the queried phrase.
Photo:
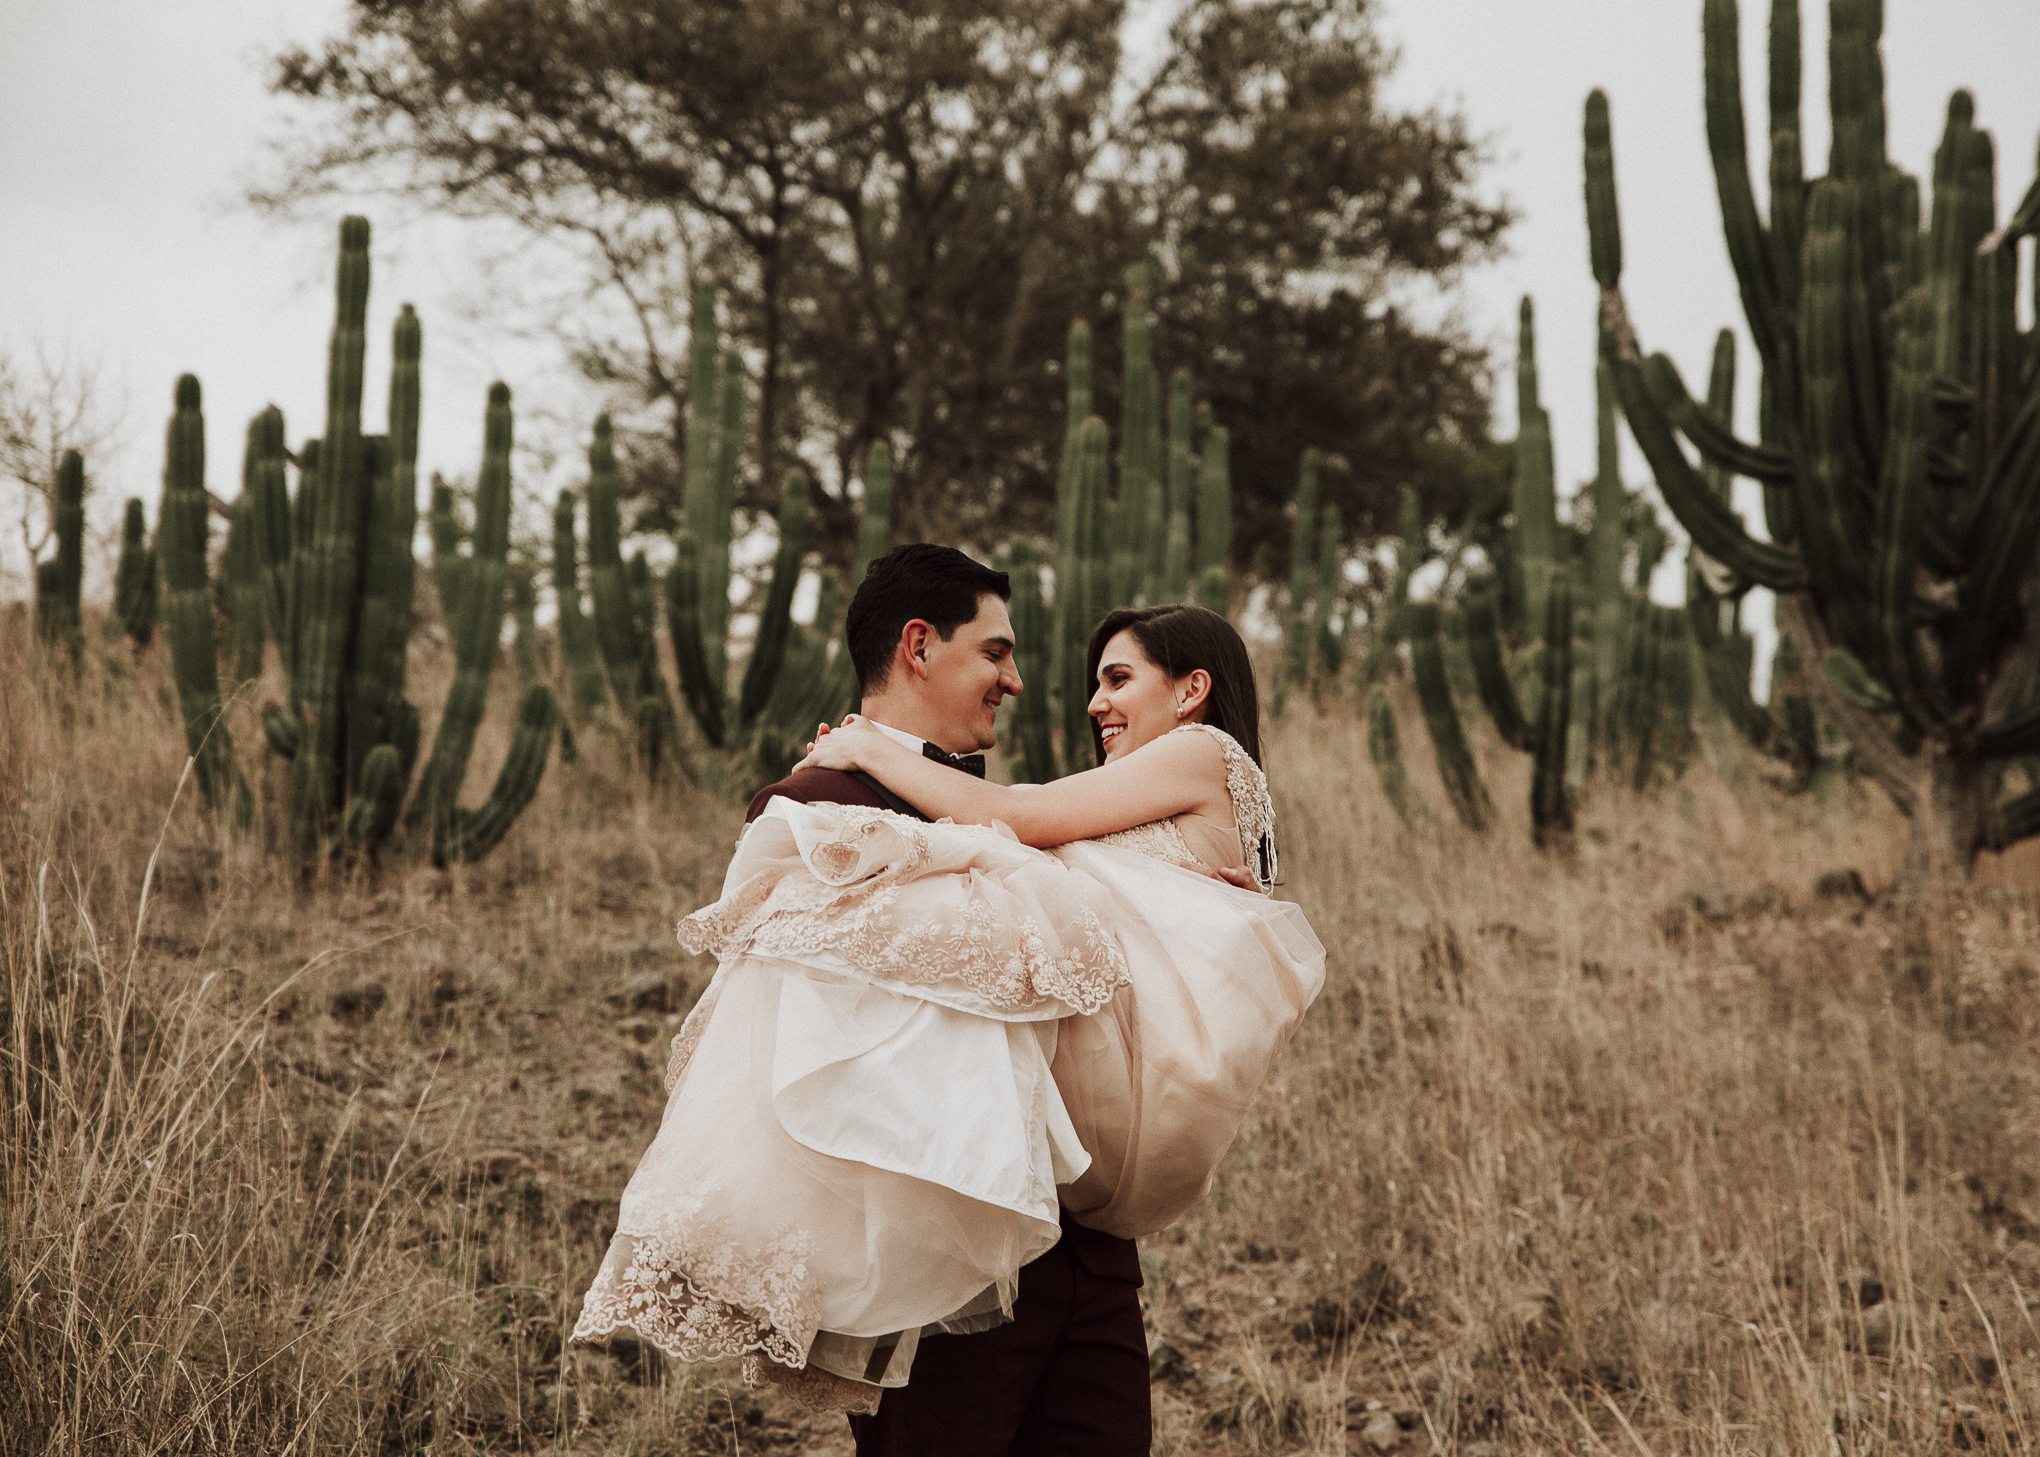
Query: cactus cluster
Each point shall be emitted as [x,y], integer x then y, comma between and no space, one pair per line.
[1137,546]
[1899,439]
[330,575]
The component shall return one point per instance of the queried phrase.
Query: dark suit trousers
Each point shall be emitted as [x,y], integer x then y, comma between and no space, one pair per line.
[1067,1377]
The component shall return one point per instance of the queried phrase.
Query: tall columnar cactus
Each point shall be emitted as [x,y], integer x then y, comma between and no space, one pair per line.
[1090,581]
[1536,499]
[448,533]
[1606,547]
[1901,453]
[1296,609]
[1456,767]
[1214,514]
[1384,747]
[1139,538]
[181,537]
[579,664]
[1174,584]
[624,639]
[456,833]
[60,580]
[134,579]
[874,529]
[1551,813]
[1387,631]
[1072,527]
[1032,719]
[265,483]
[715,427]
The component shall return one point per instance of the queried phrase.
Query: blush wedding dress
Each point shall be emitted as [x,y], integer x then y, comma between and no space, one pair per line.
[923,1041]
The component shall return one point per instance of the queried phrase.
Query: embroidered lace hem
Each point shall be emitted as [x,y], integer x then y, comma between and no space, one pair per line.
[812,1387]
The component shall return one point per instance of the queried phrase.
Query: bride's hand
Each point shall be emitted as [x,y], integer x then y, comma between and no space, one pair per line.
[843,748]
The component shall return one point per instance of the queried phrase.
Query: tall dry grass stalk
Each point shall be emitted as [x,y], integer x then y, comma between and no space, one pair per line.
[1557,1164]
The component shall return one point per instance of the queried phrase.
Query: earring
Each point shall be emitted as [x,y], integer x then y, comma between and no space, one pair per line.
[1179,710]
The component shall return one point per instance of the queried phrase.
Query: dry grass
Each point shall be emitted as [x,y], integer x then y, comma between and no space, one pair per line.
[1556,1164]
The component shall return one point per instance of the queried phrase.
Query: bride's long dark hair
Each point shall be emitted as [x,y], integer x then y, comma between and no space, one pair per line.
[1179,639]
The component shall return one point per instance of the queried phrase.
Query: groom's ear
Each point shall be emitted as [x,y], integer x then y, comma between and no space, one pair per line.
[916,640]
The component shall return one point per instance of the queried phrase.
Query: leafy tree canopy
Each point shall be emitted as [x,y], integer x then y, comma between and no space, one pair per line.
[907,203]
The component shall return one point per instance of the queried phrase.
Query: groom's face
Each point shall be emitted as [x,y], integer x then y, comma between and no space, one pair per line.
[967,678]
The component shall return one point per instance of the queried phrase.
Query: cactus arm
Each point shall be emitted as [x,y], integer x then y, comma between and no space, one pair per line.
[377,618]
[372,809]
[583,670]
[607,588]
[474,833]
[1712,522]
[1711,436]
[1749,251]
[478,634]
[1551,812]
[1875,750]
[1384,747]
[1214,520]
[448,565]
[2004,538]
[768,650]
[401,521]
[1490,672]
[683,625]
[1536,498]
[1605,551]
[245,594]
[187,611]
[268,485]
[333,561]
[1456,766]
[134,589]
[1604,214]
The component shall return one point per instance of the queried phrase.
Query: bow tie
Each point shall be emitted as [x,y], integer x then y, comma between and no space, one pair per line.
[972,764]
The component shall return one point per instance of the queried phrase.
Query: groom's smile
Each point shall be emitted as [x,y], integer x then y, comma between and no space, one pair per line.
[970,675]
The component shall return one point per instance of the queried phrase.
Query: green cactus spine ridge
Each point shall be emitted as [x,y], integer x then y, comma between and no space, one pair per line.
[134,579]
[245,595]
[1605,551]
[1456,766]
[1491,669]
[658,728]
[266,482]
[1384,747]
[59,582]
[1302,558]
[768,649]
[187,610]
[683,625]
[474,833]
[608,589]
[874,532]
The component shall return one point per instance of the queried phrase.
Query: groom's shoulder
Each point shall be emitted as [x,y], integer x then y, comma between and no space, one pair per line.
[814,786]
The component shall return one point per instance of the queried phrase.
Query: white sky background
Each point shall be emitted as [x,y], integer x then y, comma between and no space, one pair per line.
[129,131]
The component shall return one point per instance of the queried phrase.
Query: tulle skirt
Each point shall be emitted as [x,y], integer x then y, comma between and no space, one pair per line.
[920,1042]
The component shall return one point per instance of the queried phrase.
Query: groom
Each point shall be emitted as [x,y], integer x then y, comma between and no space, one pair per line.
[932,643]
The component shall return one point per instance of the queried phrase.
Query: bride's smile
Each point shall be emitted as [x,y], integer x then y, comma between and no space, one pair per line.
[1137,701]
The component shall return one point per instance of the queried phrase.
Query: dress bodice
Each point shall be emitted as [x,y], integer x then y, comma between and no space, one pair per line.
[1204,844]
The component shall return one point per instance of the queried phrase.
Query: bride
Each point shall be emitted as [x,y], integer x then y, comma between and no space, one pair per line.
[924,1041]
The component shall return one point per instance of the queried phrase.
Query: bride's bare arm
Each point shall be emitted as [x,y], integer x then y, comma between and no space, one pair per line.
[1166,776]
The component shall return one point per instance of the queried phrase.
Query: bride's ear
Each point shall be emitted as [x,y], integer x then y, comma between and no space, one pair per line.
[1192,689]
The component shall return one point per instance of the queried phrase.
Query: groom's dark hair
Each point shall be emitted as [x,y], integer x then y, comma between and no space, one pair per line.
[938,584]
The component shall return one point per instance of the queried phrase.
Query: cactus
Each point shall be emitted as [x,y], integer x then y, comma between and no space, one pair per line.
[134,580]
[455,833]
[526,649]
[1214,515]
[623,629]
[1551,815]
[447,532]
[1901,443]
[1536,543]
[1087,587]
[1138,538]
[581,668]
[1491,668]
[59,581]
[265,483]
[1456,767]
[1072,526]
[1387,632]
[1606,548]
[181,533]
[1295,618]
[1035,761]
[1174,584]
[1384,747]
[246,599]
[768,648]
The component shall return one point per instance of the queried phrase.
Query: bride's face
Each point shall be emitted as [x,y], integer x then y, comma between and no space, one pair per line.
[1136,701]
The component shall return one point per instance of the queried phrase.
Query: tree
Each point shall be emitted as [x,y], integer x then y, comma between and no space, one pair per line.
[907,202]
[50,404]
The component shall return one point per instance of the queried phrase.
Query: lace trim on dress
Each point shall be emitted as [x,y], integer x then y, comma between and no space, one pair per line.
[1253,815]
[812,1387]
[689,1036]
[1002,956]
[690,1290]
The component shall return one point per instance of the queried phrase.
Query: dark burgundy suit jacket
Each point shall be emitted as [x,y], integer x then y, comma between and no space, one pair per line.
[1099,1253]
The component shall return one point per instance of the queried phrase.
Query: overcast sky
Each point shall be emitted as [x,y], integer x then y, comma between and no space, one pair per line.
[130,130]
